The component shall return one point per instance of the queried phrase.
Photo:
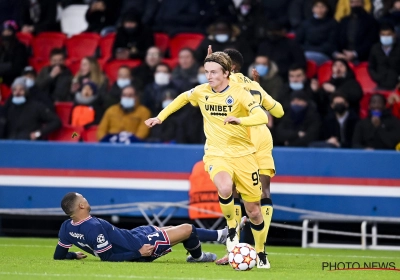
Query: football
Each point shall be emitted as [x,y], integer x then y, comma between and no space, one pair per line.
[243,257]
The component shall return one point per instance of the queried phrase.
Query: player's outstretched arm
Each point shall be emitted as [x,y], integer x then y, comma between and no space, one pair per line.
[175,105]
[62,253]
[256,117]
[152,122]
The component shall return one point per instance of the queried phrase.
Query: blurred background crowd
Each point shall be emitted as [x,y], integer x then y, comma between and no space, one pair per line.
[102,67]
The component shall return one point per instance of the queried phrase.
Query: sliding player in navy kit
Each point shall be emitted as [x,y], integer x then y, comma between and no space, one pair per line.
[143,244]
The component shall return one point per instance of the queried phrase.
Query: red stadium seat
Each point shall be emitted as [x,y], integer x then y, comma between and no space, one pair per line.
[67,133]
[5,92]
[43,44]
[162,41]
[25,38]
[184,40]
[312,69]
[363,77]
[38,63]
[111,68]
[324,72]
[171,62]
[82,45]
[106,44]
[291,35]
[73,65]
[63,110]
[90,134]
[55,35]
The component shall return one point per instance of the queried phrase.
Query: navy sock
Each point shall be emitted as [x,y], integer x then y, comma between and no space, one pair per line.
[207,234]
[192,244]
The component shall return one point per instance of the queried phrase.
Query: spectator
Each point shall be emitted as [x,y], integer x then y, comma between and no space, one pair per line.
[298,82]
[13,54]
[114,95]
[384,59]
[381,130]
[27,119]
[185,74]
[318,34]
[145,72]
[90,70]
[343,80]
[283,50]
[177,16]
[39,16]
[392,15]
[301,10]
[201,76]
[55,79]
[301,125]
[102,15]
[87,109]
[338,127]
[132,39]
[357,33]
[128,116]
[155,93]
[250,18]
[270,80]
[345,7]
[32,89]
[222,35]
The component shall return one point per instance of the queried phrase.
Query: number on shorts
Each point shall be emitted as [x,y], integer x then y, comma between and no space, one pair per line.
[255,176]
[152,235]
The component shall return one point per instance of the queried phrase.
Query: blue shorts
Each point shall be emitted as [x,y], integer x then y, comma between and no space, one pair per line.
[158,238]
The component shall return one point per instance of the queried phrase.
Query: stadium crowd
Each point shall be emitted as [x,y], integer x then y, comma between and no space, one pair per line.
[334,65]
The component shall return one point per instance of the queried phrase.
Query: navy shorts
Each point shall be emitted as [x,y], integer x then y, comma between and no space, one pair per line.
[157,237]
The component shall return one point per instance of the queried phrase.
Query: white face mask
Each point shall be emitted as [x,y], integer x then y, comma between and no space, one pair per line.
[161,78]
[296,86]
[202,79]
[18,100]
[127,102]
[222,38]
[166,102]
[386,40]
[123,82]
[29,82]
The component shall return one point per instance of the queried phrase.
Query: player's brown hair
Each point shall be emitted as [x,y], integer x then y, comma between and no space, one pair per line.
[222,59]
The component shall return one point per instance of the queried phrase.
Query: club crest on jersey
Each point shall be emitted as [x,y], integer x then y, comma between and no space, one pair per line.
[100,238]
[229,100]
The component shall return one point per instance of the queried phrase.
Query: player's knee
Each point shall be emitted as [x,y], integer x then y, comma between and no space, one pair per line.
[253,212]
[188,229]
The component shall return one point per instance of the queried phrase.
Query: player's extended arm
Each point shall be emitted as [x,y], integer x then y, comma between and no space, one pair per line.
[174,106]
[256,117]
[271,105]
[62,253]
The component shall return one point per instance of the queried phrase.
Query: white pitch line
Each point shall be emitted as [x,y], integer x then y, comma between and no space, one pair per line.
[101,276]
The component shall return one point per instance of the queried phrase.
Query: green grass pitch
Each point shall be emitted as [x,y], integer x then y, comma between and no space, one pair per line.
[31,258]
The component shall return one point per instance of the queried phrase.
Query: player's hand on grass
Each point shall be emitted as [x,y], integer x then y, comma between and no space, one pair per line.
[209,50]
[256,75]
[80,255]
[146,250]
[152,122]
[232,120]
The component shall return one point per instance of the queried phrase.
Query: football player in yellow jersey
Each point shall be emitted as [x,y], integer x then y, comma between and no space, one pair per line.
[228,110]
[261,138]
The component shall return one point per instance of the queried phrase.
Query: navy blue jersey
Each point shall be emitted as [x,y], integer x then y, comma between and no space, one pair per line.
[100,238]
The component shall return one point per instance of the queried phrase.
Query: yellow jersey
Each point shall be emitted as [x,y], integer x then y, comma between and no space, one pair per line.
[222,140]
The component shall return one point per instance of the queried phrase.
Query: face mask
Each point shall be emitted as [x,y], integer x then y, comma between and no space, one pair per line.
[222,38]
[297,108]
[18,100]
[29,83]
[202,79]
[339,108]
[245,9]
[127,102]
[161,79]
[316,16]
[84,100]
[262,69]
[166,102]
[123,82]
[376,113]
[296,86]
[386,40]
[357,10]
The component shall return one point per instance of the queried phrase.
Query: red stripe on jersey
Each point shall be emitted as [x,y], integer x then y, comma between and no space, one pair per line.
[63,245]
[80,222]
[158,242]
[103,250]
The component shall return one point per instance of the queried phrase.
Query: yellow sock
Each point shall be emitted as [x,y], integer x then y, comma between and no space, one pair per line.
[228,209]
[259,234]
[238,214]
[267,210]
